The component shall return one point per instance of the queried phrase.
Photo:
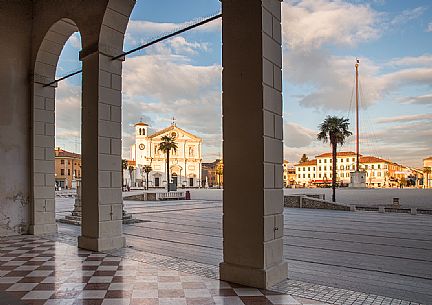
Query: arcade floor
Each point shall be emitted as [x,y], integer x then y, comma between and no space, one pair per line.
[38,271]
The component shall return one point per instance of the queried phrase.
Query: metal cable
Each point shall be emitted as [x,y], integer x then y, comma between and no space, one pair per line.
[170,35]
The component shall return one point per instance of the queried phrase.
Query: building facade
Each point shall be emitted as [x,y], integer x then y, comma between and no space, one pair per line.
[289,175]
[212,174]
[427,176]
[67,168]
[185,163]
[379,172]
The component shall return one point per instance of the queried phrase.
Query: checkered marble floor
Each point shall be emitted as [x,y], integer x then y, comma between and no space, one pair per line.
[37,271]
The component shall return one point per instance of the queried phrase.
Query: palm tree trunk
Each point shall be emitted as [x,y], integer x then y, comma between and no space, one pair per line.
[334,172]
[147,181]
[167,169]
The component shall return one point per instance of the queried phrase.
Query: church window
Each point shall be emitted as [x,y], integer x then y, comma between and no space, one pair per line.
[143,132]
[191,151]
[139,131]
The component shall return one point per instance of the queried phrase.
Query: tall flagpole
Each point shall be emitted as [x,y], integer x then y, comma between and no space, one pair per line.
[357,119]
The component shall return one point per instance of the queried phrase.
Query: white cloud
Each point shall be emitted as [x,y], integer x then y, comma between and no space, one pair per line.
[75,40]
[163,84]
[421,60]
[407,15]
[310,24]
[168,78]
[429,27]
[296,135]
[406,118]
[68,115]
[139,29]
[418,100]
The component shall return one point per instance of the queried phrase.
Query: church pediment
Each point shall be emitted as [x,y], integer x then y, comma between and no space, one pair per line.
[178,133]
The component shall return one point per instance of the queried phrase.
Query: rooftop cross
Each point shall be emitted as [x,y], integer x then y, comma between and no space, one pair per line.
[173,121]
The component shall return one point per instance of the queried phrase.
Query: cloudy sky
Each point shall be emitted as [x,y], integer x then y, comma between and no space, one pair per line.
[181,77]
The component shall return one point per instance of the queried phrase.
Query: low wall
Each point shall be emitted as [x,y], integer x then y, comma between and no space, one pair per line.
[306,202]
[156,196]
[141,197]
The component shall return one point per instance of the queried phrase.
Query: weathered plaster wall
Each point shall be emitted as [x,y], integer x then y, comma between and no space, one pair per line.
[15,38]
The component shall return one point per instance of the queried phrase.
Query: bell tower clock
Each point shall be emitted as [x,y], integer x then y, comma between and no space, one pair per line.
[141,139]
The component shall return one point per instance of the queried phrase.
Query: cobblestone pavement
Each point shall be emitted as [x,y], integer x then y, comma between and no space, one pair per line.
[39,271]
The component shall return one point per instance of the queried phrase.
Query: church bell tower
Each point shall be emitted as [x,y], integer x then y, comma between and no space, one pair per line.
[141,142]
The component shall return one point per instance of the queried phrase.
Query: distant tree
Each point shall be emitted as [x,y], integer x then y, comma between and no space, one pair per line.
[403,181]
[131,169]
[334,130]
[219,172]
[147,169]
[426,171]
[124,166]
[165,146]
[304,158]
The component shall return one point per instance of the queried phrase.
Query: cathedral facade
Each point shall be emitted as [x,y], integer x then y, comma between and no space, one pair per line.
[184,164]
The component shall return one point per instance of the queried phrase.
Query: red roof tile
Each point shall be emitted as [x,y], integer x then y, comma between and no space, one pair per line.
[339,154]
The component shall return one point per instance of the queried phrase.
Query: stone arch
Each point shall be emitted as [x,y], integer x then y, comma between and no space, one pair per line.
[42,216]
[102,25]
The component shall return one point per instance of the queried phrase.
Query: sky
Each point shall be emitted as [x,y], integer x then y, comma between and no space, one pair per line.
[181,77]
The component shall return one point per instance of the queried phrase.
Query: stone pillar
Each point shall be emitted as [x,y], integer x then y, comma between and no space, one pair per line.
[43,181]
[101,152]
[253,148]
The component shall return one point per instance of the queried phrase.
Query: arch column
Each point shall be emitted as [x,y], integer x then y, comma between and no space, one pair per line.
[252,135]
[101,151]
[42,214]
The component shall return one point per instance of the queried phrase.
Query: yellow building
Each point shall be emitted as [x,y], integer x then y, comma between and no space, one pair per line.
[289,175]
[427,175]
[67,168]
[379,172]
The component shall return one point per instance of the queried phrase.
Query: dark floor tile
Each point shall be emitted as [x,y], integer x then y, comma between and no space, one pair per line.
[32,279]
[97,286]
[88,302]
[261,300]
[118,294]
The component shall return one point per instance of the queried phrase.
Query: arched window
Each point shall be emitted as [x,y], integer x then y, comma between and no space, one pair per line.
[143,132]
[140,131]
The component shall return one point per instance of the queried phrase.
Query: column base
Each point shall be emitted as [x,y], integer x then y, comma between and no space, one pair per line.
[259,278]
[40,229]
[101,244]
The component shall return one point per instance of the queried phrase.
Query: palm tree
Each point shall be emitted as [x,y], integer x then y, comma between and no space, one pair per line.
[147,169]
[334,130]
[165,146]
[427,171]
